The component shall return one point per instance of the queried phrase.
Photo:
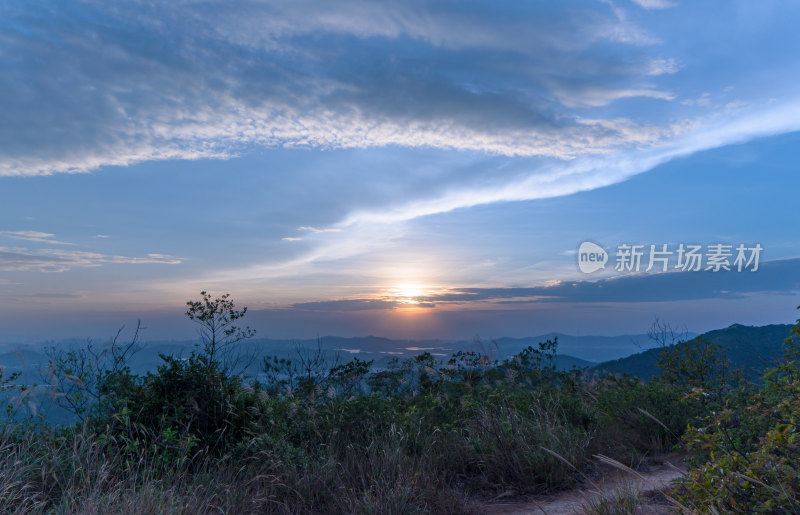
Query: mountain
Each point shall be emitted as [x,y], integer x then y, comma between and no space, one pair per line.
[565,362]
[382,350]
[752,348]
[591,348]
[32,361]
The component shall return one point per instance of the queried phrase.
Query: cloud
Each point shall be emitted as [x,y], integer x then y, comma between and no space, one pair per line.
[371,227]
[624,31]
[529,101]
[35,236]
[346,305]
[315,230]
[289,238]
[590,96]
[774,277]
[589,173]
[57,295]
[661,66]
[59,260]
[195,80]
[18,260]
[654,4]
[359,305]
[782,276]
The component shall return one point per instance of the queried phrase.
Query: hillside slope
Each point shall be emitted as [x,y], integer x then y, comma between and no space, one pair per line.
[752,348]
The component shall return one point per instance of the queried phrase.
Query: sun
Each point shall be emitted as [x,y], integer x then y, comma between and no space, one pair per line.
[406,293]
[409,291]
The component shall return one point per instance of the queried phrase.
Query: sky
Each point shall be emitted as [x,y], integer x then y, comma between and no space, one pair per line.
[404,169]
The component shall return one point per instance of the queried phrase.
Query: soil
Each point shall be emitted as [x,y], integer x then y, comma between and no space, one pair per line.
[652,479]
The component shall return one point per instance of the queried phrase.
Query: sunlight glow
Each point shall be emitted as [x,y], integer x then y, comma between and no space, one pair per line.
[406,294]
[408,291]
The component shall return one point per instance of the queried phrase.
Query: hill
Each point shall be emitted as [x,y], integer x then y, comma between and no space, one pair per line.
[749,347]
[591,348]
[31,360]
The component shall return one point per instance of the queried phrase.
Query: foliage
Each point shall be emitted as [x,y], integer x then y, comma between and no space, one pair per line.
[699,366]
[219,336]
[186,403]
[304,373]
[421,435]
[737,342]
[7,389]
[750,450]
[189,402]
[87,378]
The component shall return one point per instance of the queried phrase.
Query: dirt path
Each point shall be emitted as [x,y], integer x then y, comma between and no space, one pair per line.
[613,483]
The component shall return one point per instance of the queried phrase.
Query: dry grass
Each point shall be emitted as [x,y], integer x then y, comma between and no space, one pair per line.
[75,474]
[624,500]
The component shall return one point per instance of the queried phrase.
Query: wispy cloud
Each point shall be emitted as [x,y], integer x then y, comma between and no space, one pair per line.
[590,173]
[347,305]
[59,260]
[363,304]
[655,4]
[315,230]
[773,276]
[660,66]
[365,230]
[590,96]
[35,236]
[307,74]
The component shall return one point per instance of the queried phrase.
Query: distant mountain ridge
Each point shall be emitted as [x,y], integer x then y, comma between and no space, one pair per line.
[597,353]
[589,348]
[753,348]
[573,351]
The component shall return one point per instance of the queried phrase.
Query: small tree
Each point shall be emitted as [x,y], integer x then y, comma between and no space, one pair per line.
[664,335]
[697,365]
[748,452]
[217,331]
[90,378]
[304,372]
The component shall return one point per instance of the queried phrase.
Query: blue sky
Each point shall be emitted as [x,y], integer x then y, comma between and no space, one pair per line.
[409,169]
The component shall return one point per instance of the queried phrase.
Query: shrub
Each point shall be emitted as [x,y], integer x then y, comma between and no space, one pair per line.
[749,452]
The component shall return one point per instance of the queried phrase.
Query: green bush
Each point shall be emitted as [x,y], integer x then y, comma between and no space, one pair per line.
[748,454]
[419,436]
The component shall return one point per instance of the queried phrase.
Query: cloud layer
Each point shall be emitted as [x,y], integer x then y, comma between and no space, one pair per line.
[16,259]
[401,111]
[22,259]
[782,277]
[94,84]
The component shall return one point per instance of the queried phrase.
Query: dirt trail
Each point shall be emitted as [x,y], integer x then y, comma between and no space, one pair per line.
[654,478]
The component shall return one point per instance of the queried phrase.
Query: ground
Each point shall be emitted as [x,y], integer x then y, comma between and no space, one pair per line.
[647,484]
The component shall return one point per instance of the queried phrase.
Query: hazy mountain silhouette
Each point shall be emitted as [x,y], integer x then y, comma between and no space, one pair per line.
[753,348]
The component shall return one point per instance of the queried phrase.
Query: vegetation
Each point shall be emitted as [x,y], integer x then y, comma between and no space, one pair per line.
[422,435]
[733,344]
[747,450]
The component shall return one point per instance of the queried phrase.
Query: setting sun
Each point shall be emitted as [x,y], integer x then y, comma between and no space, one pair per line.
[407,291]
[406,294]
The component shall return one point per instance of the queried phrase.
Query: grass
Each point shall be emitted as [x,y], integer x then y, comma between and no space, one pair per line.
[433,449]
[624,500]
[423,436]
